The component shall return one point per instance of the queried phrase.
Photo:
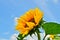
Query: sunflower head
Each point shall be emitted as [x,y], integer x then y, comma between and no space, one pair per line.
[52,36]
[29,20]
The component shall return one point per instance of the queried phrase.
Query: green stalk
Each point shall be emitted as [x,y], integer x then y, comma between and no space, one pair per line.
[38,35]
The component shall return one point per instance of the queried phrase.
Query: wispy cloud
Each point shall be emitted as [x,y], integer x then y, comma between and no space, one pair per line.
[43,5]
[3,39]
[15,20]
[14,37]
[55,1]
[13,2]
[6,33]
[34,37]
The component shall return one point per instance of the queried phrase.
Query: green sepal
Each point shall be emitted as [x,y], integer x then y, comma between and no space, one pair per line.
[20,37]
[41,22]
[32,32]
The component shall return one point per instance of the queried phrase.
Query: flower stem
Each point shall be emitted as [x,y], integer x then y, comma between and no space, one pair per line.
[38,35]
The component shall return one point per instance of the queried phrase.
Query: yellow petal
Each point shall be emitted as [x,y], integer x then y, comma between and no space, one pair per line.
[19,27]
[38,15]
[30,25]
[21,21]
[28,15]
[23,31]
[31,12]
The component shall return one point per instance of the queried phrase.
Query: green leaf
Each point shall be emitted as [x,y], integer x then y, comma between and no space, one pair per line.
[57,38]
[51,28]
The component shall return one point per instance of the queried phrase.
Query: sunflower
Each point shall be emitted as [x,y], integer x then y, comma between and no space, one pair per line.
[52,36]
[29,20]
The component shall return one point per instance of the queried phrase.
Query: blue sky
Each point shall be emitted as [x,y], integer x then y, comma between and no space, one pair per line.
[10,9]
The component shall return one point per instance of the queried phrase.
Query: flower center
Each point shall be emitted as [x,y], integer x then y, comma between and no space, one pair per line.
[32,20]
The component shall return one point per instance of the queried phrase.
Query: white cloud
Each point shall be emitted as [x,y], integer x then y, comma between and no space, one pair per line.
[6,33]
[15,20]
[3,39]
[34,37]
[43,4]
[55,1]
[13,37]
